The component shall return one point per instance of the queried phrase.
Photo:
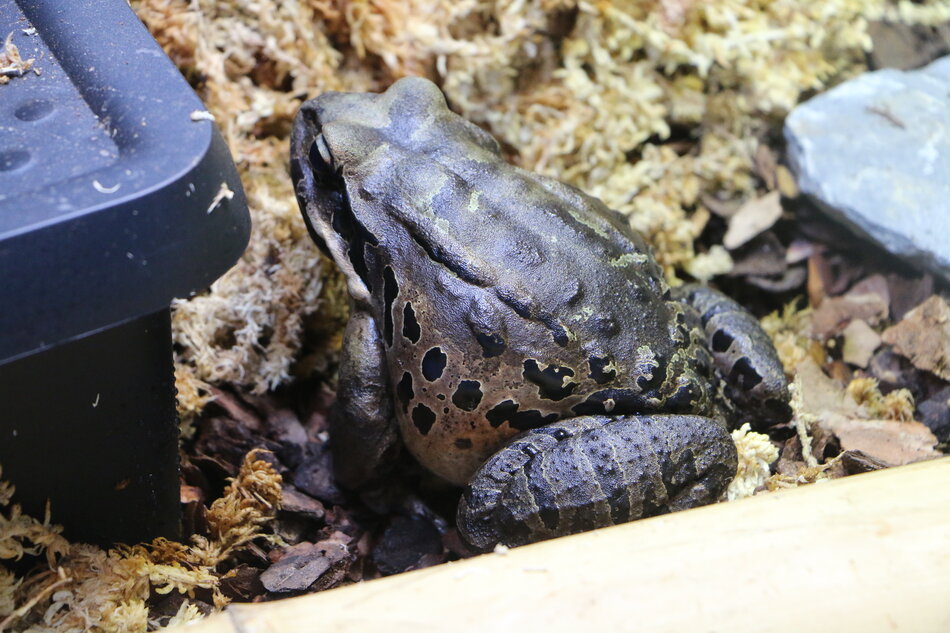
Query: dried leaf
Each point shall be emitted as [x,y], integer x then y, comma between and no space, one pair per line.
[752,218]
[869,301]
[894,443]
[923,336]
[766,164]
[786,182]
[860,343]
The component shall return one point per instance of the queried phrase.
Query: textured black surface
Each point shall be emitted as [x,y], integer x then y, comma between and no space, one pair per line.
[107,213]
[91,426]
[105,196]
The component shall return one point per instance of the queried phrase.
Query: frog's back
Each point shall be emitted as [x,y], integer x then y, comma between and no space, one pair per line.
[509,300]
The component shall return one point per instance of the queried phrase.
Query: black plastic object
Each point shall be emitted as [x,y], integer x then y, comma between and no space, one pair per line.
[111,205]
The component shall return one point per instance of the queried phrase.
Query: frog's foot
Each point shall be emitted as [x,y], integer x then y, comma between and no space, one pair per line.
[743,354]
[594,471]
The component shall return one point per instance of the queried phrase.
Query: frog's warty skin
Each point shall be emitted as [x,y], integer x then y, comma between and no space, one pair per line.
[491,301]
[589,472]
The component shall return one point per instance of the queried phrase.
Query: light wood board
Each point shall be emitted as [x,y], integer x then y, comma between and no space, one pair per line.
[861,554]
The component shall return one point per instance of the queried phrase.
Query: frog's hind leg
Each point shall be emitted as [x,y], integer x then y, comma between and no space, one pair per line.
[743,354]
[595,471]
[363,434]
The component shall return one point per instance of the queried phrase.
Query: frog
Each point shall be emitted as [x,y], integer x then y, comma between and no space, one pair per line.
[515,335]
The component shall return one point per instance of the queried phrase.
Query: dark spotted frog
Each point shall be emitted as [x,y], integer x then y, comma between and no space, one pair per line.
[515,334]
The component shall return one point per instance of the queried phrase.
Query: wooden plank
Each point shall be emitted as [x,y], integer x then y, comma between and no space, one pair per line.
[862,554]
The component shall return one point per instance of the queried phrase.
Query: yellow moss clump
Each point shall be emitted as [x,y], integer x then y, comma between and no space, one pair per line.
[756,455]
[789,331]
[896,405]
[12,62]
[588,92]
[87,589]
[22,535]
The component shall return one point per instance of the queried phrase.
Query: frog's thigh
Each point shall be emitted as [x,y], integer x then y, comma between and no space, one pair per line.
[743,353]
[595,471]
[363,433]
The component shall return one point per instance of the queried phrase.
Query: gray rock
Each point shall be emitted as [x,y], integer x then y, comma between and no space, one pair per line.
[874,153]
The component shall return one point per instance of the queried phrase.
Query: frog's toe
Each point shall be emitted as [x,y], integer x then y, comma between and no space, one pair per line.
[595,471]
[744,356]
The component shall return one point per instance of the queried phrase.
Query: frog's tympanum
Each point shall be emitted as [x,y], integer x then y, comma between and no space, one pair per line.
[514,332]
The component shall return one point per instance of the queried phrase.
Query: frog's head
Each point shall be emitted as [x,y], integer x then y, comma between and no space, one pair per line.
[344,139]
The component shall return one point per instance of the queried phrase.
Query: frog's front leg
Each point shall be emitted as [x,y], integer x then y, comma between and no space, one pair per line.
[743,354]
[594,471]
[363,433]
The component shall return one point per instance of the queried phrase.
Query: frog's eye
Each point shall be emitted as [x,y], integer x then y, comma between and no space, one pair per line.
[323,152]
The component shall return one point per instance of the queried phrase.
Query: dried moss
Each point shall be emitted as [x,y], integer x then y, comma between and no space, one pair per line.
[589,92]
[896,405]
[756,455]
[84,588]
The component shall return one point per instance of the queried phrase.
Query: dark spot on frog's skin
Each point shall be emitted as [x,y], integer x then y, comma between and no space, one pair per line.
[507,411]
[744,374]
[550,381]
[390,290]
[625,402]
[492,344]
[561,434]
[410,327]
[656,379]
[713,310]
[531,419]
[423,417]
[404,390]
[721,341]
[501,413]
[683,399]
[440,396]
[463,443]
[467,395]
[433,364]
[597,372]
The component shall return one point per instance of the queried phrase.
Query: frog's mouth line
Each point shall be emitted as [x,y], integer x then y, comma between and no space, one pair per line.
[321,189]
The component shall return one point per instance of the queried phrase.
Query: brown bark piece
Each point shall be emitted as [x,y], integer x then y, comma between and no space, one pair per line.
[752,218]
[821,395]
[869,301]
[895,443]
[860,343]
[923,336]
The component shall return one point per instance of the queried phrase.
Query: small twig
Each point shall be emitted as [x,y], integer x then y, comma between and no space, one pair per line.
[887,114]
[223,193]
